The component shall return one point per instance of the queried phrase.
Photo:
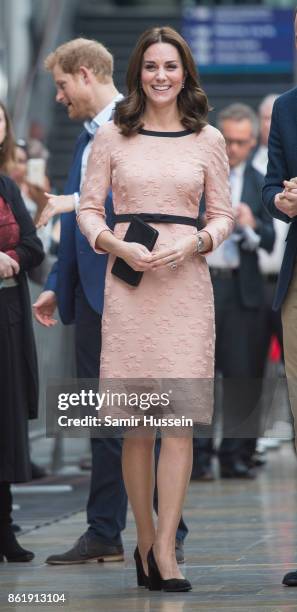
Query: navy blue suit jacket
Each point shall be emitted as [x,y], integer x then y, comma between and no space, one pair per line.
[77,262]
[282,164]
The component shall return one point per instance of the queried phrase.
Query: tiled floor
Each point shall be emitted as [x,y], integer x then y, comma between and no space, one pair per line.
[243,538]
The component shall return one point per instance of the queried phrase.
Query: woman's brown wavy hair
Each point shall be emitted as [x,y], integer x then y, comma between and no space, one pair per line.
[7,147]
[192,100]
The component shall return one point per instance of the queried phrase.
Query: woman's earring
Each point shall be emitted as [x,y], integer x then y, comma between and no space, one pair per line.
[183,84]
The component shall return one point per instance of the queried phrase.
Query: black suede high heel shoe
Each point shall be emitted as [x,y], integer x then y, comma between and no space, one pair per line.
[142,578]
[11,549]
[156,582]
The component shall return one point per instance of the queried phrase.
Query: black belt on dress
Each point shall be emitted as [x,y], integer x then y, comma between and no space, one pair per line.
[157,218]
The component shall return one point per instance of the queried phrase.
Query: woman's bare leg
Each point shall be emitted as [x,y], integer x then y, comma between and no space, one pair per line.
[173,475]
[139,477]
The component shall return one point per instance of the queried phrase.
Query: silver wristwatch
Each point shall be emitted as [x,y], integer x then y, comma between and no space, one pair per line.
[200,244]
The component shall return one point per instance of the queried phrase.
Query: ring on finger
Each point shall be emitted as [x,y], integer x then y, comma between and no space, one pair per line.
[173,265]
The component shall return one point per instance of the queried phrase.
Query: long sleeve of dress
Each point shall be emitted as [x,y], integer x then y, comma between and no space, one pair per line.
[91,213]
[219,214]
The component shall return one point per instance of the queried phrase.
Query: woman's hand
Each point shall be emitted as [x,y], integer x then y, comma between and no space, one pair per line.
[8,266]
[135,255]
[141,259]
[182,250]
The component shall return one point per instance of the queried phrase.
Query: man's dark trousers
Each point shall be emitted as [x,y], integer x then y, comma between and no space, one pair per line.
[108,498]
[107,503]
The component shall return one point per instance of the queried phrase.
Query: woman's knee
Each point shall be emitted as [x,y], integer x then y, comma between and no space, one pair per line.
[178,443]
[140,439]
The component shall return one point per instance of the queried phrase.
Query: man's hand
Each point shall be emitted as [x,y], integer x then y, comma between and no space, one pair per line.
[286,201]
[55,206]
[244,215]
[44,308]
[8,266]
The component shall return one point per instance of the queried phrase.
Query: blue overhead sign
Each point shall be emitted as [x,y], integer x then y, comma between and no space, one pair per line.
[239,39]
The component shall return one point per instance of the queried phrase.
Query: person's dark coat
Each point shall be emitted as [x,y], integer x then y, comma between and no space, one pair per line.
[30,253]
[282,165]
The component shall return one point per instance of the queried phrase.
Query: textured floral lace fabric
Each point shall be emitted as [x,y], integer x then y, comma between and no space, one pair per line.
[164,328]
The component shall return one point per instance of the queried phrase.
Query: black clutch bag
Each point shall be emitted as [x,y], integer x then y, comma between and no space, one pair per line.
[143,233]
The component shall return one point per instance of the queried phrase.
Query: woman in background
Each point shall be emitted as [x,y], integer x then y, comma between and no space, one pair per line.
[20,251]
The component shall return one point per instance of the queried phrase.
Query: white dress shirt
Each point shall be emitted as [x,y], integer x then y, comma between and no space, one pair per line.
[226,256]
[260,159]
[236,182]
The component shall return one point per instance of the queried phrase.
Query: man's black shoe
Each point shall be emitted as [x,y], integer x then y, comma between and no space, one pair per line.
[238,469]
[179,551]
[86,549]
[290,579]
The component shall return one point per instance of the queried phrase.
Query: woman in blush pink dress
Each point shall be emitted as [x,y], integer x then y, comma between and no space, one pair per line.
[158,156]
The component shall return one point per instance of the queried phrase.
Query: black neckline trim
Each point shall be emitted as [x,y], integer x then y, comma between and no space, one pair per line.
[165,134]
